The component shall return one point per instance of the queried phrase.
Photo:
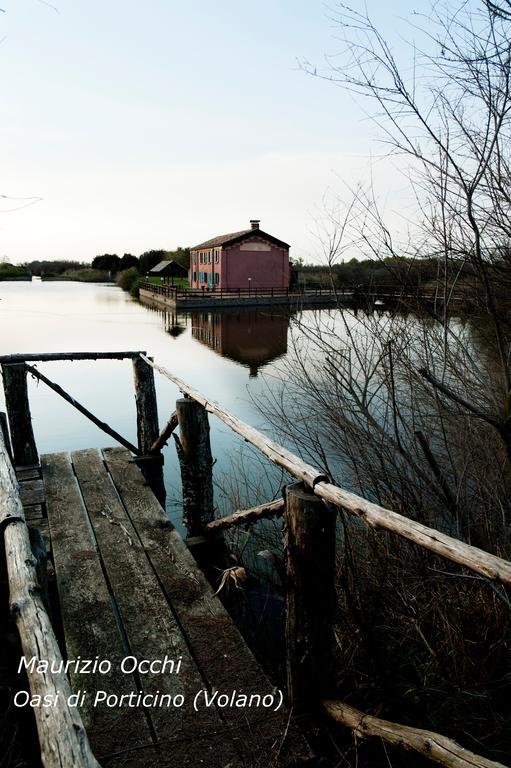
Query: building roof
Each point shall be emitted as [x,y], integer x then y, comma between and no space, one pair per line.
[169,267]
[232,238]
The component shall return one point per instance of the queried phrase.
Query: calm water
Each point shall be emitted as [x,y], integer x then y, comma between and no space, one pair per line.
[220,354]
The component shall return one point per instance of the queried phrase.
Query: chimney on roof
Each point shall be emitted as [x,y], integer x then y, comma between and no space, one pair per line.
[254,223]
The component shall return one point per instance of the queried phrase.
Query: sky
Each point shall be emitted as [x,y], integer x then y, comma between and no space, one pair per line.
[131,125]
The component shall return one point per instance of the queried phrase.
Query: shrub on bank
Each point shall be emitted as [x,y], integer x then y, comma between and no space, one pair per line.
[11,270]
[128,280]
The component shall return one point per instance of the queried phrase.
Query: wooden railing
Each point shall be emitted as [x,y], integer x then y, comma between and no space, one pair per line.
[309,509]
[184,294]
[360,293]
[22,444]
[62,737]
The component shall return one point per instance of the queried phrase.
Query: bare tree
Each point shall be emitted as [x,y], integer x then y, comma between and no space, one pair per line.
[413,409]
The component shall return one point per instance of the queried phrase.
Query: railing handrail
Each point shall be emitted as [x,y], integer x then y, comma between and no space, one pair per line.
[41,357]
[62,736]
[374,515]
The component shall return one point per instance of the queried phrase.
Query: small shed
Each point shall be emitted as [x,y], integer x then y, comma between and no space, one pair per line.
[168,269]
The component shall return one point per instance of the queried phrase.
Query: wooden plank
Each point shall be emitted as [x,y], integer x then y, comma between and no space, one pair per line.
[44,529]
[88,616]
[151,628]
[32,492]
[62,736]
[33,511]
[163,755]
[28,473]
[23,467]
[371,514]
[220,651]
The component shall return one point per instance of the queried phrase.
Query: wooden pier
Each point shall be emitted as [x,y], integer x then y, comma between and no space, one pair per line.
[168,668]
[129,587]
[192,299]
[369,296]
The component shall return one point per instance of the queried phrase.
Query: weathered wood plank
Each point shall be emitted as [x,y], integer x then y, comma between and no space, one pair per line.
[89,621]
[31,492]
[28,473]
[62,736]
[163,755]
[151,628]
[44,529]
[29,467]
[33,511]
[219,649]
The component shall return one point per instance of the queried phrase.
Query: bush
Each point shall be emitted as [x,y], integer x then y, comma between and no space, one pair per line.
[11,270]
[128,280]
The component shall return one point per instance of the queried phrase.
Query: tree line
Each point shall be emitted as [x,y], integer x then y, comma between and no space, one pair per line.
[110,262]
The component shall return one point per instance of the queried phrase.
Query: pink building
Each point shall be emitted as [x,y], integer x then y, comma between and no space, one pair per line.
[247,259]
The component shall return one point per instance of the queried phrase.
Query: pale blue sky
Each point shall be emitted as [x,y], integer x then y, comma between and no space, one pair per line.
[162,123]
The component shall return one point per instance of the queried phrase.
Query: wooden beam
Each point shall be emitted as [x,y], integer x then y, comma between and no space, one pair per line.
[246,516]
[49,356]
[196,462]
[79,407]
[147,427]
[5,434]
[309,551]
[164,435]
[432,745]
[373,515]
[62,737]
[18,411]
[147,409]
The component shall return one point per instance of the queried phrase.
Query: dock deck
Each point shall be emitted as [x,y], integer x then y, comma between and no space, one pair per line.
[129,587]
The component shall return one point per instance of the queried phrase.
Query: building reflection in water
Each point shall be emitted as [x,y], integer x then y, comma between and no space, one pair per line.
[251,337]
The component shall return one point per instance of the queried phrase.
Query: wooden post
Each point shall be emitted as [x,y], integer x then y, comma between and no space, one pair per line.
[147,427]
[309,545]
[196,461]
[147,409]
[5,434]
[18,411]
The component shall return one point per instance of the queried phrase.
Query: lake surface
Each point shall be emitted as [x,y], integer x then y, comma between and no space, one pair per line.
[221,354]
